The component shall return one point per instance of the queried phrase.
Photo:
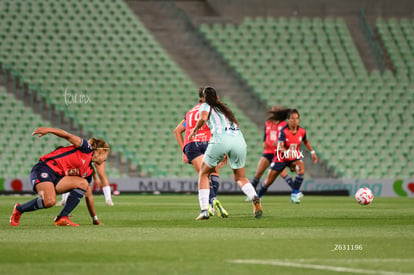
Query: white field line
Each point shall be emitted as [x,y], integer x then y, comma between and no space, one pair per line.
[389,260]
[317,267]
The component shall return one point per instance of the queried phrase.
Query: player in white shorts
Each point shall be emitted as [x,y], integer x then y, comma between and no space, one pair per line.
[227,139]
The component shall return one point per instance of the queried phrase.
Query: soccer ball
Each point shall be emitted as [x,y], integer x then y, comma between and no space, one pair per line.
[364,196]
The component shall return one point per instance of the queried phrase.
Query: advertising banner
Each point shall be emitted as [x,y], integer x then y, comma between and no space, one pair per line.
[380,188]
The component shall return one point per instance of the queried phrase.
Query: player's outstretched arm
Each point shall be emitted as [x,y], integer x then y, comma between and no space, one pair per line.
[41,131]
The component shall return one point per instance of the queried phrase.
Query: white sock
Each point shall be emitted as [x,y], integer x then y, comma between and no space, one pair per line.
[65,197]
[248,189]
[107,193]
[203,195]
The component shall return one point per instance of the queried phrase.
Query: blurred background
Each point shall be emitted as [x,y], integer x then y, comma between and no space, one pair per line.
[128,71]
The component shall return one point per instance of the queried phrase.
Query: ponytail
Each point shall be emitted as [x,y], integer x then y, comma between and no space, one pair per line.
[211,98]
[278,115]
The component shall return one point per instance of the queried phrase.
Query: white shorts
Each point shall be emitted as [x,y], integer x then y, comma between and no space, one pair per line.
[234,147]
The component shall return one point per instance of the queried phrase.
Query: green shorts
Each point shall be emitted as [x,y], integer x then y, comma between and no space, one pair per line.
[234,147]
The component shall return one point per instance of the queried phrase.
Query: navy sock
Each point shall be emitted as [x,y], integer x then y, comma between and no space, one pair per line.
[298,182]
[32,205]
[255,182]
[289,181]
[215,182]
[212,193]
[73,200]
[262,190]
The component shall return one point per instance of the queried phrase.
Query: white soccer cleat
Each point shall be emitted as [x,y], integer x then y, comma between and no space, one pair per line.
[295,198]
[203,215]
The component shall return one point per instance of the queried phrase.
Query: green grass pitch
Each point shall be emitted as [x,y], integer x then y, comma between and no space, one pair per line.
[147,234]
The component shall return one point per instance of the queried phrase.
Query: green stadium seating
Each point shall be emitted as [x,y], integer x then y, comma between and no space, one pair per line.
[313,65]
[102,50]
[20,150]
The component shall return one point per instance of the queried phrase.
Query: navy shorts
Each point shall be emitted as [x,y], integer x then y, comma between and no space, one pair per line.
[269,157]
[41,173]
[279,166]
[195,149]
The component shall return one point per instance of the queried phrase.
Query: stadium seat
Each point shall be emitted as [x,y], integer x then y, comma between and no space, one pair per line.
[101,49]
[320,69]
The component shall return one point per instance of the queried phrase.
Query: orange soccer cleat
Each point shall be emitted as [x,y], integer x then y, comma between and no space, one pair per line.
[15,217]
[64,221]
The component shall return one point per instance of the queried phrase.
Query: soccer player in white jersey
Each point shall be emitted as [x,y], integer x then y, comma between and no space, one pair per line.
[227,139]
[194,153]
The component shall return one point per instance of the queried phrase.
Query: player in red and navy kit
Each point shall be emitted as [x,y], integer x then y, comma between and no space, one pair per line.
[288,154]
[193,152]
[274,123]
[63,170]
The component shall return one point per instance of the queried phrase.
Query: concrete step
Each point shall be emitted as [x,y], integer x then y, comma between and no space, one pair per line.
[361,43]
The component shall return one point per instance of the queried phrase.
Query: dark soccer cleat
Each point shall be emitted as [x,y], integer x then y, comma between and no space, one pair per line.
[257,207]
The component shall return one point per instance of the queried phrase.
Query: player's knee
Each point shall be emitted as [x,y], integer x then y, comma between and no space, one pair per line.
[49,202]
[82,184]
[300,168]
[204,172]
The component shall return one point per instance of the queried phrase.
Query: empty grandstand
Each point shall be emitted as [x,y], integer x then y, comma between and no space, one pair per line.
[110,70]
